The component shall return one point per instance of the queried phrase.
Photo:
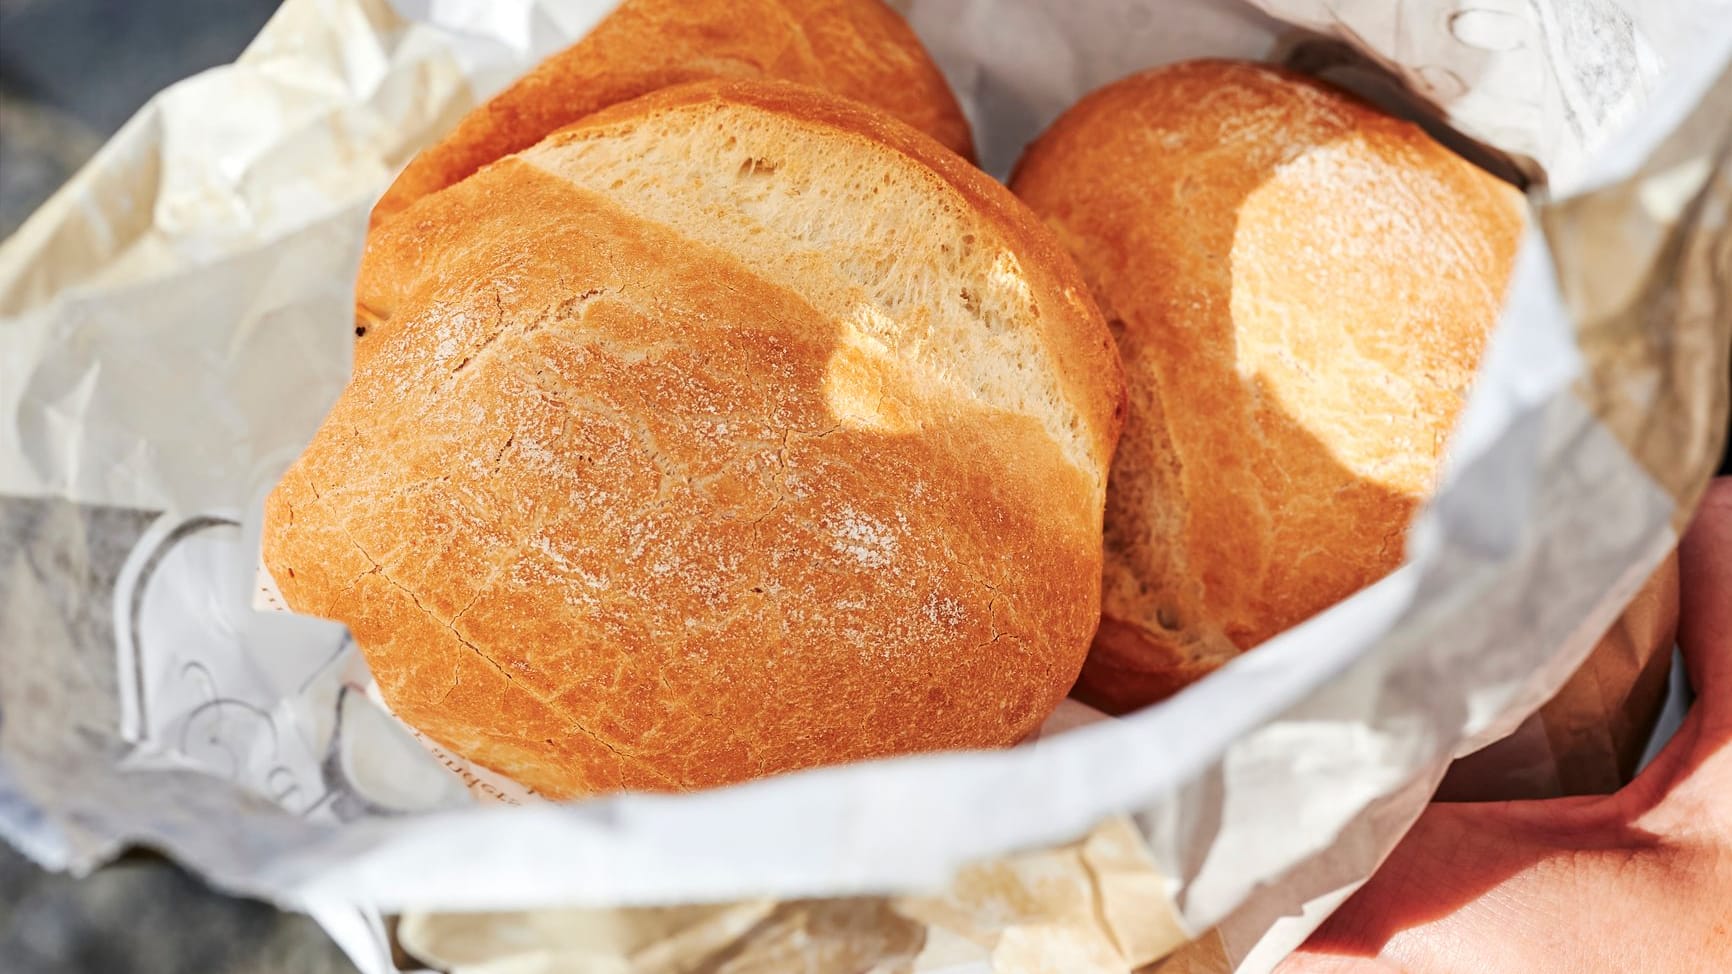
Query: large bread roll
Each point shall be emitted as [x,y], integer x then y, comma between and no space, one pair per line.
[859,49]
[1300,288]
[736,429]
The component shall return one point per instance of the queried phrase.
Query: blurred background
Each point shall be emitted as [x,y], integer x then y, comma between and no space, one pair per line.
[71,72]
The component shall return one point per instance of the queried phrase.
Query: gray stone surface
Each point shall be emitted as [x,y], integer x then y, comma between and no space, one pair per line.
[72,71]
[39,149]
[143,916]
[98,60]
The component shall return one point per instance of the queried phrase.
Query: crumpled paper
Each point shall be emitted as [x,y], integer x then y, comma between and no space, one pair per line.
[1085,907]
[174,322]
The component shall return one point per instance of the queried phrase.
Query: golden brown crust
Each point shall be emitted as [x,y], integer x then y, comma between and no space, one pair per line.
[859,49]
[1087,362]
[618,501]
[1301,288]
[1074,336]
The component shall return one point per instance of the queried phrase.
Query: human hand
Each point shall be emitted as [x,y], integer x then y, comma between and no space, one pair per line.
[1633,882]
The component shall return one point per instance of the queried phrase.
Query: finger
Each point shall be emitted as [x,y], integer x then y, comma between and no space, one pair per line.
[1467,889]
[1478,887]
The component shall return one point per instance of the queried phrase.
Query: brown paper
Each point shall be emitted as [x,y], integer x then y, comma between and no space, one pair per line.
[1587,739]
[1205,955]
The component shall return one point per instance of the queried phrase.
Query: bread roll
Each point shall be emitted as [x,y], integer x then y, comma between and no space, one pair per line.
[859,49]
[736,429]
[1300,288]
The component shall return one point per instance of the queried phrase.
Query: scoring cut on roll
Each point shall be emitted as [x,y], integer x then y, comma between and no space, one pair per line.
[736,429]
[1300,287]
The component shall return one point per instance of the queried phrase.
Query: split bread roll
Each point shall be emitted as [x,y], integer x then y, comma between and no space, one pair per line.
[736,429]
[859,49]
[1300,288]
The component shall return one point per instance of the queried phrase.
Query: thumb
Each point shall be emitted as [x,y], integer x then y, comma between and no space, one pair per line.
[1477,886]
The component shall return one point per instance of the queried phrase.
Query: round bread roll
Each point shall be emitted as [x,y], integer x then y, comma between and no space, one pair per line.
[1300,288]
[736,429]
[859,49]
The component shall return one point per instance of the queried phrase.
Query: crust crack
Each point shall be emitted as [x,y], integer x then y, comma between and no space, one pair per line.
[566,716]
